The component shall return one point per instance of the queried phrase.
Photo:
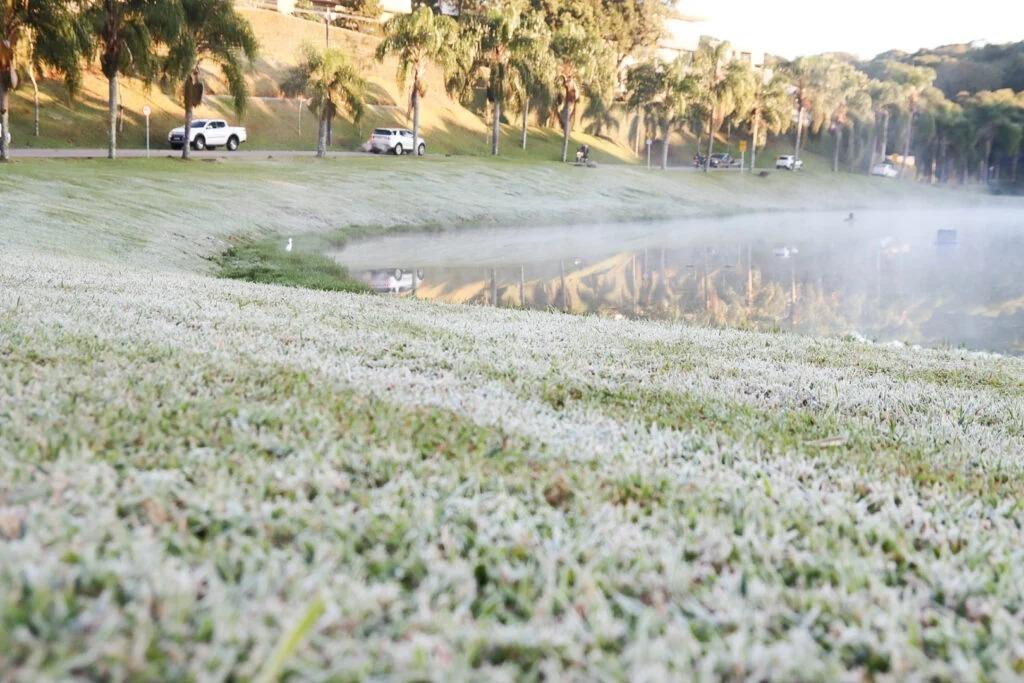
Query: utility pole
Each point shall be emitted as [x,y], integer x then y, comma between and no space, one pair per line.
[329,17]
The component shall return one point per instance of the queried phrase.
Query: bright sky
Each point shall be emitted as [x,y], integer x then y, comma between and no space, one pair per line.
[863,27]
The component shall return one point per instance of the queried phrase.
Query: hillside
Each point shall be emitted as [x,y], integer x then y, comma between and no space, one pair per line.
[964,68]
[147,209]
[275,122]
[210,480]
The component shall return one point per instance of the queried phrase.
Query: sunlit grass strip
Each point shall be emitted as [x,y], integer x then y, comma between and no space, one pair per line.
[268,262]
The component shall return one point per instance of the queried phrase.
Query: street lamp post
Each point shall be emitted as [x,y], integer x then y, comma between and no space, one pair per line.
[146,111]
[329,17]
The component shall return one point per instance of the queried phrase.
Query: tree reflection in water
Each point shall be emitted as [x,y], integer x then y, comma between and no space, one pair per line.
[886,293]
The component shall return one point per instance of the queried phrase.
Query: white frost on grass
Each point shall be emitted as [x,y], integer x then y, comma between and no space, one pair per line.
[684,551]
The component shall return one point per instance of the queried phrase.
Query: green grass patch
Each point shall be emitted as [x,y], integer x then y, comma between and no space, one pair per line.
[268,262]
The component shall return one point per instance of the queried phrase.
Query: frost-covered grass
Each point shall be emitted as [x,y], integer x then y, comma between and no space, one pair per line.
[193,467]
[164,213]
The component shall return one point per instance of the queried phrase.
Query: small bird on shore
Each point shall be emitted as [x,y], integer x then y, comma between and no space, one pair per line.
[288,247]
[850,218]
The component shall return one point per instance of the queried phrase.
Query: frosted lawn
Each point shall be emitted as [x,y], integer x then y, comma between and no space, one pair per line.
[191,464]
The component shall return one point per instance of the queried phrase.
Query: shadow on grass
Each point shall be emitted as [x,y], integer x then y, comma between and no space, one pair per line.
[267,262]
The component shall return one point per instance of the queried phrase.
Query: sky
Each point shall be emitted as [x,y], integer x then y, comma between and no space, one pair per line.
[863,27]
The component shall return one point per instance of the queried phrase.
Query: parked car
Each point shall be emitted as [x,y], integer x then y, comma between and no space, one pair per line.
[396,140]
[722,160]
[393,280]
[885,170]
[788,162]
[208,134]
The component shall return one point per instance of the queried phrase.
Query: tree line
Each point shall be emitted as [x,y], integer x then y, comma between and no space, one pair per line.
[165,40]
[563,61]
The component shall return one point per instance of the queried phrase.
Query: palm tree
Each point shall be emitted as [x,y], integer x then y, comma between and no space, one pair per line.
[127,34]
[770,111]
[40,32]
[858,112]
[28,66]
[532,66]
[805,74]
[912,81]
[885,97]
[848,92]
[642,84]
[330,81]
[417,39]
[725,85]
[584,63]
[484,50]
[501,31]
[991,113]
[210,30]
[676,89]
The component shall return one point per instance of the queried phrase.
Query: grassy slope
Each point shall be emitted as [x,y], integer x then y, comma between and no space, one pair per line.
[274,122]
[166,213]
[192,464]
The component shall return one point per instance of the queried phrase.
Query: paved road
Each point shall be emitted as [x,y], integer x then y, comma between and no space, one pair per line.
[163,152]
[33,153]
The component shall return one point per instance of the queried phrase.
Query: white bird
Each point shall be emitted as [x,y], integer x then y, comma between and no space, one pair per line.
[288,248]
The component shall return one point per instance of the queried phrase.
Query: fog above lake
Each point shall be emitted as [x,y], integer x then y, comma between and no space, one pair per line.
[885,275]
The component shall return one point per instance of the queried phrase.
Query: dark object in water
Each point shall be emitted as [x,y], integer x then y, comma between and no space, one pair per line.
[850,218]
[762,174]
[946,238]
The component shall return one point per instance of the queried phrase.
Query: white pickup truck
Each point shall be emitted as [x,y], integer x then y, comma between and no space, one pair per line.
[208,134]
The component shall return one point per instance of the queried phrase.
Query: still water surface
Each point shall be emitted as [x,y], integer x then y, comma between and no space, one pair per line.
[923,277]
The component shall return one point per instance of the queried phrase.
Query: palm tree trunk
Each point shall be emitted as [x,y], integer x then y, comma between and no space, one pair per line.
[330,131]
[496,127]
[799,130]
[874,147]
[5,121]
[933,167]
[526,118]
[185,148]
[753,143]
[415,114]
[35,99]
[906,144]
[664,151]
[942,165]
[851,145]
[885,135]
[321,144]
[711,142]
[636,135]
[112,111]
[988,157]
[565,128]
[835,149]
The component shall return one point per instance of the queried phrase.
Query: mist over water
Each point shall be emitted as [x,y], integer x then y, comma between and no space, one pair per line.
[884,275]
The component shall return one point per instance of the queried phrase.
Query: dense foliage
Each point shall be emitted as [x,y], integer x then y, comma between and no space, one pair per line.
[953,114]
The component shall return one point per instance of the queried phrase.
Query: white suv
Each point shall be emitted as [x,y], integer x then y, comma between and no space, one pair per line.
[208,134]
[886,169]
[788,162]
[393,280]
[397,140]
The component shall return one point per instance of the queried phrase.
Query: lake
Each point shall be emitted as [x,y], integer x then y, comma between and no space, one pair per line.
[922,277]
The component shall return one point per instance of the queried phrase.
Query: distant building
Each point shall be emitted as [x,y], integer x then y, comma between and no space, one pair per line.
[389,8]
[392,7]
[687,31]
